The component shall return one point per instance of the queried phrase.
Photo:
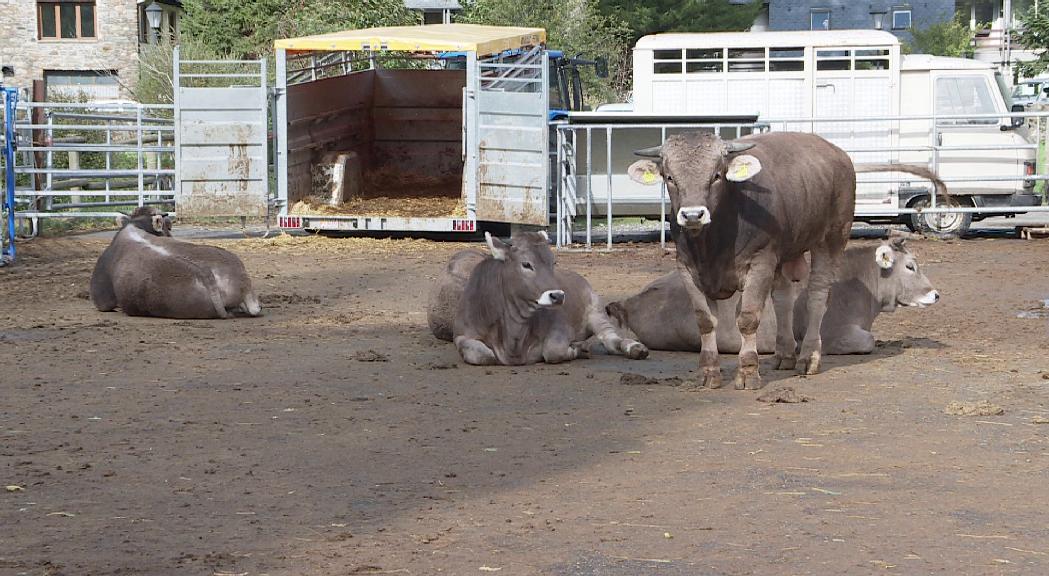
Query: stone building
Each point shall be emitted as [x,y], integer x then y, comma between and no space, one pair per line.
[82,46]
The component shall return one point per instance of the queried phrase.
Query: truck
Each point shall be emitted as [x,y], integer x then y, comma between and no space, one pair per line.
[436,128]
[855,88]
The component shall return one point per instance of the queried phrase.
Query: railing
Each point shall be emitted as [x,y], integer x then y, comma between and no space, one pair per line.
[83,157]
[577,179]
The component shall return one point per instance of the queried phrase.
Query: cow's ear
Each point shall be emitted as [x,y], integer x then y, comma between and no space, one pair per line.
[122,220]
[499,249]
[646,172]
[884,257]
[742,167]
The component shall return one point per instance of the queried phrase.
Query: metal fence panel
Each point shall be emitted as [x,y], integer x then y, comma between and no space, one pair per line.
[221,126]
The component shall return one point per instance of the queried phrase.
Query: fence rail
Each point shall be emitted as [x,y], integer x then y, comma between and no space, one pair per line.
[590,180]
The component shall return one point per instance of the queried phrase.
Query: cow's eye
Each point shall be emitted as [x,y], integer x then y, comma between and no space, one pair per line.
[527,265]
[912,267]
[717,176]
[668,178]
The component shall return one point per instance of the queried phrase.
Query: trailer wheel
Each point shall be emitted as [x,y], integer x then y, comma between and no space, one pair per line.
[952,225]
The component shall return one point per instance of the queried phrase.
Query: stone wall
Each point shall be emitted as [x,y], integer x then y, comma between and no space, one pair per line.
[114,47]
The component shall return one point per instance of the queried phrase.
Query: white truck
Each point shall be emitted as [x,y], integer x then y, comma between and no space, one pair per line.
[853,87]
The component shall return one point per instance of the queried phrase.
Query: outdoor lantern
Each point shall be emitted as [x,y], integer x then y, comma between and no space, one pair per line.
[879,18]
[153,12]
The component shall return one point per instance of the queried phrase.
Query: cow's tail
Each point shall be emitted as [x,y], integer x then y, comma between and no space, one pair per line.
[942,197]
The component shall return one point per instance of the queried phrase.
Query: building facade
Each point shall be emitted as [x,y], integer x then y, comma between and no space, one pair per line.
[898,17]
[86,47]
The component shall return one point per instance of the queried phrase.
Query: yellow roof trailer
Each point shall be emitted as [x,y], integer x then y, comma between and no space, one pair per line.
[429,128]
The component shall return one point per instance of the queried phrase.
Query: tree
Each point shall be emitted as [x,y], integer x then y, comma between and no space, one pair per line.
[247,28]
[654,16]
[575,26]
[950,38]
[1034,36]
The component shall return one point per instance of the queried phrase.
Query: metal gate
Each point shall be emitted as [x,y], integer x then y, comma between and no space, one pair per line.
[220,137]
[510,159]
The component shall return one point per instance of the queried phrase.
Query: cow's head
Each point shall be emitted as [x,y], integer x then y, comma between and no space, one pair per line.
[147,219]
[527,270]
[698,169]
[902,281]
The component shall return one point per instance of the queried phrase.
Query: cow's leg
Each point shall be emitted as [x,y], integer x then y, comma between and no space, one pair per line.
[558,349]
[599,324]
[825,262]
[756,288]
[708,324]
[475,352]
[783,297]
[849,339]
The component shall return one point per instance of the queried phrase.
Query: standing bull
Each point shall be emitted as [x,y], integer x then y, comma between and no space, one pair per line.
[742,222]
[514,307]
[145,272]
[873,279]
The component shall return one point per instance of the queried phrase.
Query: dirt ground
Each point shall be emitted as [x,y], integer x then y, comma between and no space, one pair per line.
[334,435]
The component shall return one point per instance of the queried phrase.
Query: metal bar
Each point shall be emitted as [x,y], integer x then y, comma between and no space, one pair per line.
[974,210]
[560,196]
[7,245]
[24,195]
[220,75]
[95,148]
[589,185]
[107,117]
[663,199]
[95,106]
[104,204]
[88,173]
[608,171]
[128,128]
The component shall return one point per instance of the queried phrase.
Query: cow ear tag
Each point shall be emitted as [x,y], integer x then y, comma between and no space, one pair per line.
[884,257]
[743,167]
[648,177]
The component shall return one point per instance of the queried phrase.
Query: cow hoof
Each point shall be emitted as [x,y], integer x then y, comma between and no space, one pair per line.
[712,378]
[809,365]
[748,378]
[636,351]
[581,350]
[784,362]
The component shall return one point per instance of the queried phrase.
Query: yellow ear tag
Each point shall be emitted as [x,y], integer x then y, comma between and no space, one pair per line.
[648,177]
[742,171]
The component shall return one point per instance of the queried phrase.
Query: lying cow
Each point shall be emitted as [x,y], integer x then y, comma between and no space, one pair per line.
[744,212]
[145,272]
[514,307]
[873,279]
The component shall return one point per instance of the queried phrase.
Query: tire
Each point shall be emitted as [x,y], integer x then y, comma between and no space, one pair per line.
[939,225]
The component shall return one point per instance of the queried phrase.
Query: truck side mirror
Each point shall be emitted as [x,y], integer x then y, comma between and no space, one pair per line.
[1016,121]
[601,67]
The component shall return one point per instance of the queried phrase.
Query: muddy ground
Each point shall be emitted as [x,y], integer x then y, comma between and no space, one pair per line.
[336,436]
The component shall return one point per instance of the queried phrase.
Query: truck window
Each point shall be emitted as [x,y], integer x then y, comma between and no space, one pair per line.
[964,95]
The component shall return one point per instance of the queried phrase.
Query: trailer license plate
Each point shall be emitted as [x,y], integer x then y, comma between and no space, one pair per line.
[290,222]
[464,225]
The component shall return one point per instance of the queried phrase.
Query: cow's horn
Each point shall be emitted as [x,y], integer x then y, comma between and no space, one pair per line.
[653,152]
[734,146]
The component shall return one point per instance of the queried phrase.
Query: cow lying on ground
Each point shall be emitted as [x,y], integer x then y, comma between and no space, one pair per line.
[145,272]
[514,307]
[873,279]
[744,212]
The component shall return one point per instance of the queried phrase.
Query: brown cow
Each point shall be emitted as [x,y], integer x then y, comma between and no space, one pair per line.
[873,279]
[145,272]
[741,222]
[514,307]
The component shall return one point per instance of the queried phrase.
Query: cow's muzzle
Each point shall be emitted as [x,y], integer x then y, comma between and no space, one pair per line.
[929,298]
[693,216]
[552,298]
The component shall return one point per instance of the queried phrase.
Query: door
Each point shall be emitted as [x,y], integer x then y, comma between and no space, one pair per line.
[512,138]
[220,138]
[960,94]
[852,84]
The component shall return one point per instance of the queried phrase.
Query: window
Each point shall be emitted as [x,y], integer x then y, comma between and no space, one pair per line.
[58,20]
[667,61]
[90,84]
[820,20]
[901,18]
[964,95]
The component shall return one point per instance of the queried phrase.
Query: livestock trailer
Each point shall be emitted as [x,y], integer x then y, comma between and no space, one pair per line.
[418,146]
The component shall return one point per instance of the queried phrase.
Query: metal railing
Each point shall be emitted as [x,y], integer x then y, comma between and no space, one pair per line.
[577,180]
[83,157]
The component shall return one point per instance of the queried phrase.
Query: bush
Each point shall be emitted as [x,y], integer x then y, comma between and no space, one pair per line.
[950,38]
